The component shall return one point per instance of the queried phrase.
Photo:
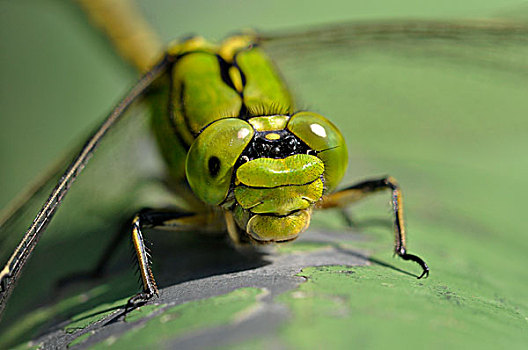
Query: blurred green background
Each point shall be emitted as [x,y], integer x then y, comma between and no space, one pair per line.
[454,135]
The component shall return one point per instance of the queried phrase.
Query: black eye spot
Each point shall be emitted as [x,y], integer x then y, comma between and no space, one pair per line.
[214,166]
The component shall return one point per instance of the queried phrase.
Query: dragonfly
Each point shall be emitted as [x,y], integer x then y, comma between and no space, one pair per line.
[406,37]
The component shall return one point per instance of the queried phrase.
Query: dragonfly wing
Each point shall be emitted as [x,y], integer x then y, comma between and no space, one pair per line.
[127,156]
[492,43]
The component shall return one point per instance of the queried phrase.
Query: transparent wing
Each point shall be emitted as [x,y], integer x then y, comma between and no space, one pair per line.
[491,43]
[106,192]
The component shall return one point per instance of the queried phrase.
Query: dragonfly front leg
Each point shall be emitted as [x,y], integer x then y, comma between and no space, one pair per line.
[356,192]
[165,220]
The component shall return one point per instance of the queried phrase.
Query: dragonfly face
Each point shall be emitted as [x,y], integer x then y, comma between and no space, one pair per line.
[278,168]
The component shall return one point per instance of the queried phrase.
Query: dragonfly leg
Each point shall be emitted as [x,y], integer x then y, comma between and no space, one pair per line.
[349,195]
[165,220]
[238,239]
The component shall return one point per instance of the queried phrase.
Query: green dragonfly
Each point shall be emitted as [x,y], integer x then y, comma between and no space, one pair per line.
[455,43]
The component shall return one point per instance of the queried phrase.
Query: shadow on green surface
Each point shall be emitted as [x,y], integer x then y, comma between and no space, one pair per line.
[177,258]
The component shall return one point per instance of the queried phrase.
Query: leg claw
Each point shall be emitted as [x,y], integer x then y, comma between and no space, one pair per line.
[419,261]
[138,300]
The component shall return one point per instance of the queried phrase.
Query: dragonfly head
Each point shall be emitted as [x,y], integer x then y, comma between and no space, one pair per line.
[269,171]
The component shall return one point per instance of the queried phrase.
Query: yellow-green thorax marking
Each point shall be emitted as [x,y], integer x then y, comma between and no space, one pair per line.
[232,134]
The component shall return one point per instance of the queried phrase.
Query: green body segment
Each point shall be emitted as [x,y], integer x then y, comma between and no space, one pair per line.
[199,96]
[264,91]
[269,123]
[267,228]
[171,147]
[298,169]
[220,103]
[281,200]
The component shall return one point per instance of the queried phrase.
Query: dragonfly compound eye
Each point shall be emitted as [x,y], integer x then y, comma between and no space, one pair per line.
[325,140]
[212,156]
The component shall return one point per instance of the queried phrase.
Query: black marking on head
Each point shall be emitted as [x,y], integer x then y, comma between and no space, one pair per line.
[261,147]
[213,165]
